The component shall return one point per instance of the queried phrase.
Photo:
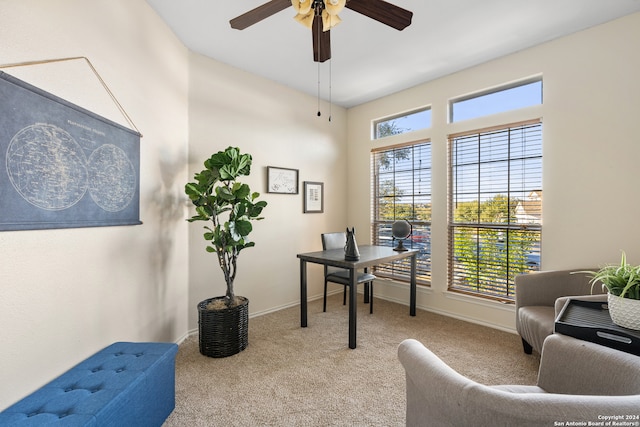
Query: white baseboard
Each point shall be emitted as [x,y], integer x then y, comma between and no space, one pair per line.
[386,298]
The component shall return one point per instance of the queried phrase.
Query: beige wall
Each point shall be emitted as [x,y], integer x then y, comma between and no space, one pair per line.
[65,294]
[590,172]
[278,127]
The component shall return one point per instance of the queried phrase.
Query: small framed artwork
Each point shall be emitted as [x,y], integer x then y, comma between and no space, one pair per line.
[313,197]
[282,180]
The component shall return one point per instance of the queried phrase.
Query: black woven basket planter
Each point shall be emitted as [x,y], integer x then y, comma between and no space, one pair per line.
[224,332]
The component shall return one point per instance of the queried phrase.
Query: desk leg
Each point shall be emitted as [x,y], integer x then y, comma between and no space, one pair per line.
[353,307]
[412,295]
[303,294]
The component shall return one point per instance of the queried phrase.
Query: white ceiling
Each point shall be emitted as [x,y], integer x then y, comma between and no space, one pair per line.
[370,59]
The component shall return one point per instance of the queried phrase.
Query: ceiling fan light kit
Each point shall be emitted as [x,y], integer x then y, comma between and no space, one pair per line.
[305,19]
[312,13]
[308,10]
[302,6]
[322,15]
[329,21]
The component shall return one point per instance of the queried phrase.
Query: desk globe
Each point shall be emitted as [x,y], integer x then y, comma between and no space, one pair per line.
[400,231]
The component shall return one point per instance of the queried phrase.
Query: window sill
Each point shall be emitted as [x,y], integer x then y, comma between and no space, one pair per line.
[506,306]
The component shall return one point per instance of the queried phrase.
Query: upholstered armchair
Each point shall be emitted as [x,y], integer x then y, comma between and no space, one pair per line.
[536,295]
[578,381]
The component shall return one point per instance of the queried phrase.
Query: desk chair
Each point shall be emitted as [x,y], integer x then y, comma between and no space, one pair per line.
[341,275]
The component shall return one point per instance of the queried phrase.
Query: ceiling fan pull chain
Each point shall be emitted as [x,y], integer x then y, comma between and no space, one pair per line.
[330,60]
[319,114]
[318,43]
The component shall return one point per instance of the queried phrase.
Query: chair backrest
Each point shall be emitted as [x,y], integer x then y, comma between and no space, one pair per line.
[606,372]
[333,241]
[461,401]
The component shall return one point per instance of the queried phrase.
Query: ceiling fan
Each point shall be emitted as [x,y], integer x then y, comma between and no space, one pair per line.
[321,15]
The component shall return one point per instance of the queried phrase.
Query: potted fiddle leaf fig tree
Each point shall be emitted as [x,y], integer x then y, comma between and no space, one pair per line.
[229,207]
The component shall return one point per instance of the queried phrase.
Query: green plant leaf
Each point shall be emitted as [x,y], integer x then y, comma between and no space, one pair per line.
[622,280]
[256,210]
[203,212]
[241,191]
[224,193]
[192,191]
[243,228]
[239,210]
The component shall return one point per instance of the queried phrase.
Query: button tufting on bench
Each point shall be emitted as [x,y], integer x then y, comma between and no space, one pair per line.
[133,389]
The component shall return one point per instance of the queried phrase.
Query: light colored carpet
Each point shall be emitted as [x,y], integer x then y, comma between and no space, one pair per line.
[293,376]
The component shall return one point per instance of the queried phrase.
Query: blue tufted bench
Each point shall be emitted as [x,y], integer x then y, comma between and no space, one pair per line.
[125,384]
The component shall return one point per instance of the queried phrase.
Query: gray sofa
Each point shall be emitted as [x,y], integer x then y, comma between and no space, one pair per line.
[537,303]
[578,381]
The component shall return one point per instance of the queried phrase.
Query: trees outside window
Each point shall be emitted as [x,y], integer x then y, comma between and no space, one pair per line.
[402,191]
[495,210]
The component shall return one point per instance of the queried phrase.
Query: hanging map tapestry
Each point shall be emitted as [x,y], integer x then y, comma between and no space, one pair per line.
[62,166]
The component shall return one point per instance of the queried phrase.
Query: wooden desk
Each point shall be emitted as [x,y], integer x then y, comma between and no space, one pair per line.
[369,256]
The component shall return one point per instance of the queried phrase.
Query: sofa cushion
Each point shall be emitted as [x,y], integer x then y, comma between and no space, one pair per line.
[536,323]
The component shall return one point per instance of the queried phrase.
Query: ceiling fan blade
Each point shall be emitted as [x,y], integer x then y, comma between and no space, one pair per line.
[321,41]
[259,13]
[381,11]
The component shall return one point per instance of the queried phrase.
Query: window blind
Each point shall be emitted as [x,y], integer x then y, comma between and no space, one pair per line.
[401,180]
[495,208]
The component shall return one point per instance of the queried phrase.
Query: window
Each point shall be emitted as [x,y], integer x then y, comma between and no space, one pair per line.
[402,190]
[497,101]
[408,122]
[495,208]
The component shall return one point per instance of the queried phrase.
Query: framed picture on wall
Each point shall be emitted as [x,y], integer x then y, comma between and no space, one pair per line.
[282,180]
[313,197]
[63,166]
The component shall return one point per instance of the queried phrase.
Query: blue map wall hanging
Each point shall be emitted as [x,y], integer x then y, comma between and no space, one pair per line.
[62,166]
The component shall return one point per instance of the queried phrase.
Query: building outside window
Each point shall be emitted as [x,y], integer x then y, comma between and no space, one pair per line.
[495,208]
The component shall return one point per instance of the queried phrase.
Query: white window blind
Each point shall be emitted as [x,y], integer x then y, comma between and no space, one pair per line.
[401,179]
[495,208]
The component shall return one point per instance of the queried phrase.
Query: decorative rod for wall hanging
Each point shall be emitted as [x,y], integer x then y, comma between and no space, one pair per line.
[74,58]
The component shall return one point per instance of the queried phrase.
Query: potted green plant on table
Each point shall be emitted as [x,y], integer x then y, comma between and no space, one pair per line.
[622,283]
[229,207]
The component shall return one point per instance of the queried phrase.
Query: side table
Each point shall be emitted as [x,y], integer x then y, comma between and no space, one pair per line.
[590,321]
